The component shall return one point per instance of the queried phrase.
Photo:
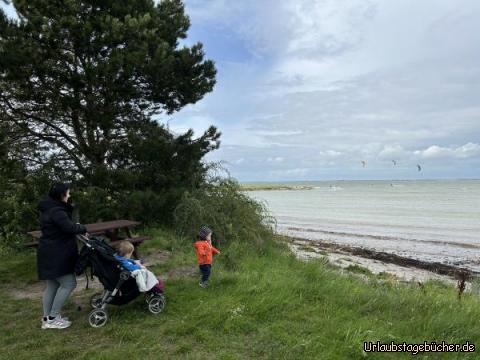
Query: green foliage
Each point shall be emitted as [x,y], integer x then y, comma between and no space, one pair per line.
[96,204]
[150,157]
[18,205]
[358,269]
[232,215]
[15,218]
[80,80]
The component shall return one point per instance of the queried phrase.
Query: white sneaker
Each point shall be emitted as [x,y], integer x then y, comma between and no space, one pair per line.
[45,321]
[64,318]
[57,323]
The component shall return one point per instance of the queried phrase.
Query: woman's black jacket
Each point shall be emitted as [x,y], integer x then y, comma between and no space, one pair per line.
[57,248]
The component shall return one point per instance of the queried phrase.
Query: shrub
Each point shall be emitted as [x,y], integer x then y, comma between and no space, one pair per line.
[147,206]
[232,215]
[18,209]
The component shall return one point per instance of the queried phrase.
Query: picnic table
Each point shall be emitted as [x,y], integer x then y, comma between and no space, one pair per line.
[111,229]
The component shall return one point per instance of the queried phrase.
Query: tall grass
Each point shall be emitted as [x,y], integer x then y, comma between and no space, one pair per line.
[270,306]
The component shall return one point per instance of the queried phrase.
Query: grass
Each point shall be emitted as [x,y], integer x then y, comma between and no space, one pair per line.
[358,269]
[261,304]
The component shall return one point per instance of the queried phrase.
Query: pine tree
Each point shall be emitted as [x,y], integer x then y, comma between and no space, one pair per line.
[81,79]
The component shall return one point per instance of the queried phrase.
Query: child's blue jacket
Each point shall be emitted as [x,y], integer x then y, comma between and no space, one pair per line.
[128,264]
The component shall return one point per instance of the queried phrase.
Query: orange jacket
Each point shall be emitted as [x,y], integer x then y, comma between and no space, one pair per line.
[205,252]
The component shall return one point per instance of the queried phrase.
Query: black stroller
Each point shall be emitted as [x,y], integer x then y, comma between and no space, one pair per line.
[119,286]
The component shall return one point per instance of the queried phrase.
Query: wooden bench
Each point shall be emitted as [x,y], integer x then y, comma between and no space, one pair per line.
[136,240]
[110,229]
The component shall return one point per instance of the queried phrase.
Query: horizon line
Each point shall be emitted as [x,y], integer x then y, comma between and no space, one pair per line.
[325,180]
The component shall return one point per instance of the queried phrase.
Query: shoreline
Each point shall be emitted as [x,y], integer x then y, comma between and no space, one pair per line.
[273,187]
[377,262]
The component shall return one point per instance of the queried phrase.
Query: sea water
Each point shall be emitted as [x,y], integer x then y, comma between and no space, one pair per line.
[436,221]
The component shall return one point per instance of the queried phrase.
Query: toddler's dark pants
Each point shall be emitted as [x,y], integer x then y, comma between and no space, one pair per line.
[205,269]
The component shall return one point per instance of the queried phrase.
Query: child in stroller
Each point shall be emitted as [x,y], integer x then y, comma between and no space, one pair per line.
[146,280]
[119,286]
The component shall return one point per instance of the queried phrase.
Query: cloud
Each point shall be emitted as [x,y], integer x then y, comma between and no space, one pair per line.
[275,159]
[250,21]
[330,154]
[295,173]
[197,122]
[469,151]
[280,133]
[393,152]
[327,84]
[466,151]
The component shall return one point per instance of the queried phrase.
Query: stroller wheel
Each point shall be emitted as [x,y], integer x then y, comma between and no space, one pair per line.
[96,300]
[156,303]
[97,318]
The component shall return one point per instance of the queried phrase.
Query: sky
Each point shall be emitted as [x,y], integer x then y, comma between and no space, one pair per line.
[308,89]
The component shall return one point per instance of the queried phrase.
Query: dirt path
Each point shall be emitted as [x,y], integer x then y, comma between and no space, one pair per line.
[80,294]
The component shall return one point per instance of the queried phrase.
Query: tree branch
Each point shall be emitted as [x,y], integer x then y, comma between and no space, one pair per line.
[45,122]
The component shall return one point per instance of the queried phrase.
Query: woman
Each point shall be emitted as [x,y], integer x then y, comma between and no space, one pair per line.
[57,254]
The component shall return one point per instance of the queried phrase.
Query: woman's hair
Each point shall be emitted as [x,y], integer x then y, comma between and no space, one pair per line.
[125,247]
[58,190]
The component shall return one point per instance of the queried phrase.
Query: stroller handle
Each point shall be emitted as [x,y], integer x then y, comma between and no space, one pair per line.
[84,239]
